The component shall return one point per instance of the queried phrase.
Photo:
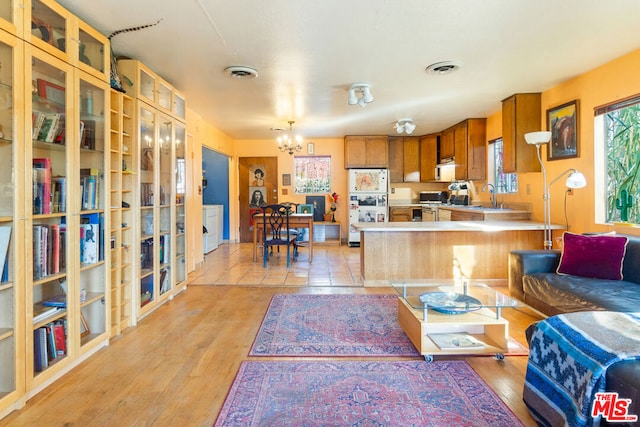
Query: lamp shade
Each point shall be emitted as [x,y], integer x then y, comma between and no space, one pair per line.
[540,137]
[576,180]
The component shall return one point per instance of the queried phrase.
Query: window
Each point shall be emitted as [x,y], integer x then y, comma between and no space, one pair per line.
[617,161]
[504,182]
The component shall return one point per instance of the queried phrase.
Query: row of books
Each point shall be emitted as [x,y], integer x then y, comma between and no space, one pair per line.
[49,343]
[49,192]
[90,183]
[48,249]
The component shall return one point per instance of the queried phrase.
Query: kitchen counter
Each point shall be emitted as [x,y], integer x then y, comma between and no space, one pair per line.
[452,226]
[443,250]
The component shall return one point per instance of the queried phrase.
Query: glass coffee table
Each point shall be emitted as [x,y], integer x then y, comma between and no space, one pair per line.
[447,317]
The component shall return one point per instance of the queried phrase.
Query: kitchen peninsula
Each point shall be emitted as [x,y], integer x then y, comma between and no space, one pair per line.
[443,250]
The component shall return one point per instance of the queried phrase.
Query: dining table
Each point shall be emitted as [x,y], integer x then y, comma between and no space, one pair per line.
[296,220]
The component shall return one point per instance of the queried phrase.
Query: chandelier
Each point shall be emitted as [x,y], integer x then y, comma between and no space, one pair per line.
[289,143]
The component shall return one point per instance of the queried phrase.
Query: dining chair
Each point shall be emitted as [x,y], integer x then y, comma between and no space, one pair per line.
[276,231]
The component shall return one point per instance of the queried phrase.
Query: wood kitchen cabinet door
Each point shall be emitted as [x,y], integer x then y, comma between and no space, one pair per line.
[447,148]
[521,113]
[411,155]
[366,152]
[428,157]
[396,159]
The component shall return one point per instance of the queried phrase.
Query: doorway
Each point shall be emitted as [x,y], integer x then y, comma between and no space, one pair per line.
[258,186]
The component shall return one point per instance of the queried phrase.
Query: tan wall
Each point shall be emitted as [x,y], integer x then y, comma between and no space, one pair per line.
[605,84]
[333,147]
[202,134]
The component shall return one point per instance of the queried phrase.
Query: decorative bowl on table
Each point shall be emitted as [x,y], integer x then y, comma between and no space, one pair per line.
[450,302]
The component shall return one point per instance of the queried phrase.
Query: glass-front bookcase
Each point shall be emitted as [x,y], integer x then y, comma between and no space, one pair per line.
[147,168]
[11,226]
[94,224]
[180,194]
[48,197]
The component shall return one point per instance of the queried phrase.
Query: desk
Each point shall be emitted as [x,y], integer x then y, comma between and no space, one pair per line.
[296,220]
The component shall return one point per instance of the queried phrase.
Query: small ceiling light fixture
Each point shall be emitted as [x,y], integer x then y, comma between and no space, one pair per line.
[241,72]
[289,143]
[360,93]
[444,67]
[405,125]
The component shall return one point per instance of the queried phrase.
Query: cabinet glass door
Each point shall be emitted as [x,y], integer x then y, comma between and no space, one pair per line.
[10,15]
[93,54]
[49,195]
[164,95]
[180,190]
[166,196]
[147,86]
[49,23]
[93,221]
[147,167]
[10,235]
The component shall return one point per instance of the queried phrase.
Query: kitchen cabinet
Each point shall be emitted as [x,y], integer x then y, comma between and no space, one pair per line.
[404,159]
[428,157]
[399,214]
[466,216]
[396,159]
[470,149]
[366,152]
[447,147]
[521,113]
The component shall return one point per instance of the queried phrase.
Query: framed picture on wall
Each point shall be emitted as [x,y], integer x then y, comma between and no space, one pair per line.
[562,121]
[318,203]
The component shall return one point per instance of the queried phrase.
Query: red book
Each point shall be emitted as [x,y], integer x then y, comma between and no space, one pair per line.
[61,339]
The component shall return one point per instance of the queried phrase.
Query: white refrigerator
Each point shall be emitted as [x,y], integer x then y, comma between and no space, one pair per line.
[368,199]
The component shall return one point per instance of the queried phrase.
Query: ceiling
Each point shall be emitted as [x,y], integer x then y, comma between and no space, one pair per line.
[308,53]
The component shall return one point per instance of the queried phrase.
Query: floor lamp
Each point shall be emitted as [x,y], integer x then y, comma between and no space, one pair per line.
[574,180]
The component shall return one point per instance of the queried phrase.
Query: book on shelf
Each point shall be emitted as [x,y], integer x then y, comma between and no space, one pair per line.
[48,127]
[456,341]
[88,135]
[59,194]
[48,241]
[56,301]
[49,343]
[89,238]
[41,312]
[40,350]
[90,181]
[5,239]
[41,185]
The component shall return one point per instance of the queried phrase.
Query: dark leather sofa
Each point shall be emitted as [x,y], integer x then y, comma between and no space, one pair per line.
[533,279]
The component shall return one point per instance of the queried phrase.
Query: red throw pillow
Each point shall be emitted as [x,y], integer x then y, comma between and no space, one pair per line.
[595,256]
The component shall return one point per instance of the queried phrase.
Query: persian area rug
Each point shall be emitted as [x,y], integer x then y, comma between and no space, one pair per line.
[332,325]
[338,325]
[405,393]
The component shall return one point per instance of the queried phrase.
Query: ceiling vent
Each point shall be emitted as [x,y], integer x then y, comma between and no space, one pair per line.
[445,67]
[240,72]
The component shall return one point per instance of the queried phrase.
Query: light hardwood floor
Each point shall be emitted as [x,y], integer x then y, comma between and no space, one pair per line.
[176,366]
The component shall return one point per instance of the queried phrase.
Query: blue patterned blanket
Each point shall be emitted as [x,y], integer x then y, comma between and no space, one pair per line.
[568,359]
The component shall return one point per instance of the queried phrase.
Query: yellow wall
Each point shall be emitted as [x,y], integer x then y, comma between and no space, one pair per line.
[607,83]
[202,134]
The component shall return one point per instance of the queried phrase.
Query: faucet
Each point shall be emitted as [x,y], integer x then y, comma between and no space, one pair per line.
[492,192]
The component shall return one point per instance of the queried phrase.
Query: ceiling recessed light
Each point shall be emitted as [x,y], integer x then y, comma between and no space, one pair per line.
[444,67]
[240,72]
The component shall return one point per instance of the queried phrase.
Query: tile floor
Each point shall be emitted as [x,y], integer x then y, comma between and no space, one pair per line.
[232,264]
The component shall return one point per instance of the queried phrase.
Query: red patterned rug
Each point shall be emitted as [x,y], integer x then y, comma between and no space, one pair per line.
[337,325]
[407,393]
